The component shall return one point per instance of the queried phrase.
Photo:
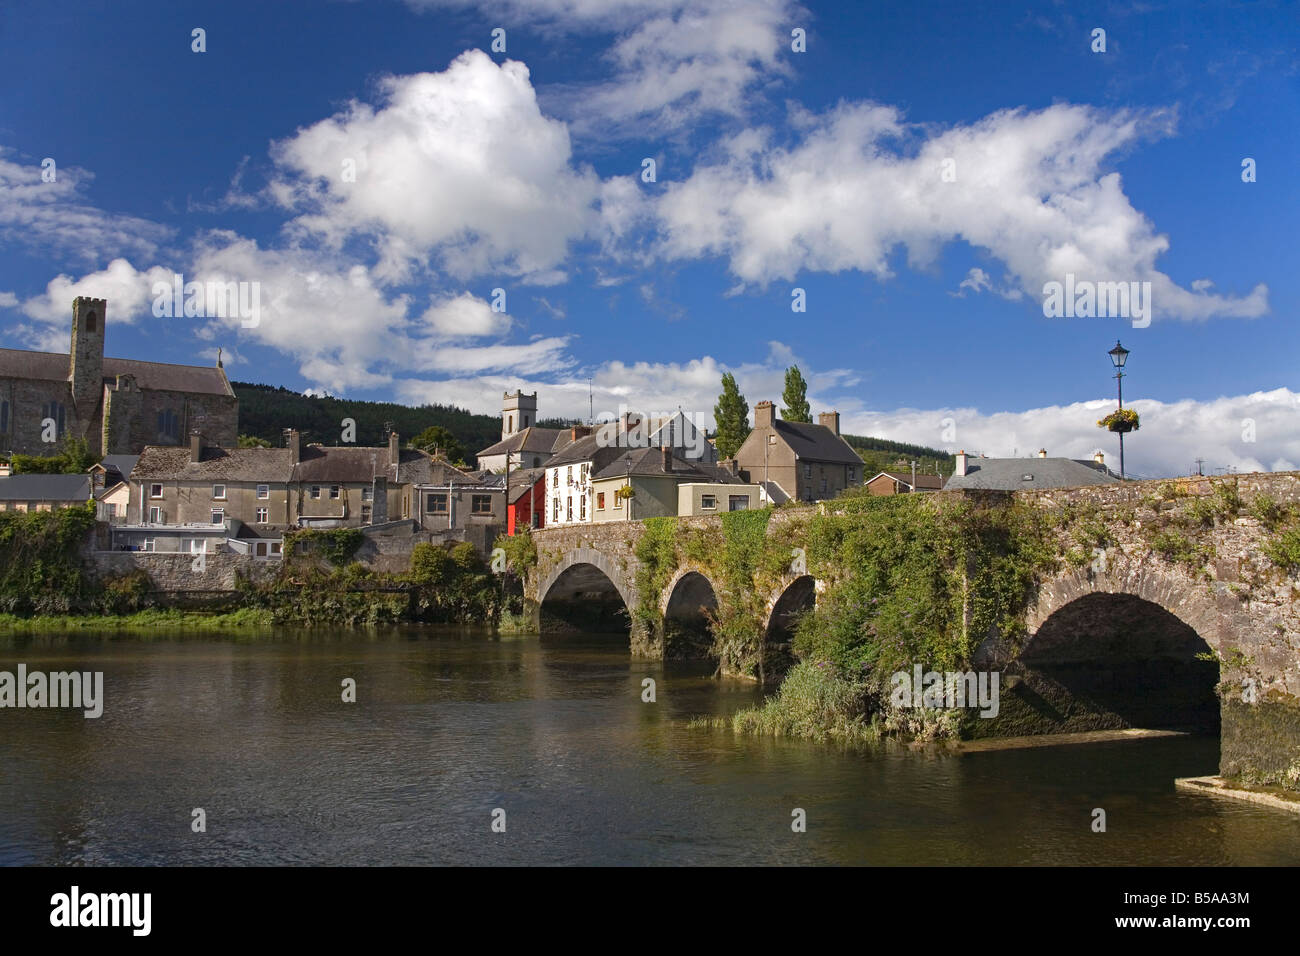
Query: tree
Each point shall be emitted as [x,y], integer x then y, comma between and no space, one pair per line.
[795,397]
[732,417]
[252,441]
[75,459]
[436,438]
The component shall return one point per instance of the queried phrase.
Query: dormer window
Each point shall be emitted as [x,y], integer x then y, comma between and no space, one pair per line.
[1026,477]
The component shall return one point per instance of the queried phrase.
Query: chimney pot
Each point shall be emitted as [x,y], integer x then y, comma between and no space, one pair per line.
[196,446]
[1042,453]
[394,448]
[961,464]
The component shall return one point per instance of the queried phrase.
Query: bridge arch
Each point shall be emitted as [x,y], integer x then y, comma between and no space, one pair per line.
[688,605]
[1121,649]
[585,591]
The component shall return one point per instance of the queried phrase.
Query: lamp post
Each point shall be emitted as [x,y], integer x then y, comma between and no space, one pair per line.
[1118,356]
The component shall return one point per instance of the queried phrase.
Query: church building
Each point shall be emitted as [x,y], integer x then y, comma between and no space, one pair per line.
[117,405]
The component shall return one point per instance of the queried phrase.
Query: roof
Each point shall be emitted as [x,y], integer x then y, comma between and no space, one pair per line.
[45,488]
[271,465]
[354,464]
[812,442]
[159,376]
[523,481]
[1009,474]
[532,440]
[592,448]
[122,464]
[924,482]
[649,462]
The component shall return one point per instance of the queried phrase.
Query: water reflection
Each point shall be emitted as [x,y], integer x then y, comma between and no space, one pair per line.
[450,724]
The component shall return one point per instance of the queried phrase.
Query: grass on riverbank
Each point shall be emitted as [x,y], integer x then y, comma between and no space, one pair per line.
[813,703]
[149,618]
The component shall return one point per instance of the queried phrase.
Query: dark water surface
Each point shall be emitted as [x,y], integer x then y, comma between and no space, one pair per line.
[450,725]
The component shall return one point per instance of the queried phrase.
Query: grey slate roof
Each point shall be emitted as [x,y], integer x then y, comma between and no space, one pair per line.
[531,440]
[522,481]
[815,443]
[45,488]
[165,462]
[122,464]
[53,366]
[1008,474]
[650,462]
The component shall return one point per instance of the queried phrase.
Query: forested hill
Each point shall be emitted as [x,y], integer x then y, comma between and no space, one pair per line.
[265,411]
[880,454]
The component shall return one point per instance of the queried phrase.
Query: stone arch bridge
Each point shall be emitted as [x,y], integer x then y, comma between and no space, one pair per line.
[1102,640]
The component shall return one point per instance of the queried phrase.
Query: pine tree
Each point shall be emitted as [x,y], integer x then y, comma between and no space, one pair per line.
[732,417]
[795,397]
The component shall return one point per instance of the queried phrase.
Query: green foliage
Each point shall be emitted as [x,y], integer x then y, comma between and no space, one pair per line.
[732,417]
[436,438]
[265,411]
[1268,512]
[453,584]
[252,441]
[75,459]
[795,397]
[40,561]
[520,549]
[656,552]
[1177,547]
[929,579]
[336,545]
[1283,549]
[814,702]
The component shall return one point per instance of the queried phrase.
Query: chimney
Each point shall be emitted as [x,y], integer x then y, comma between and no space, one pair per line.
[732,466]
[830,420]
[1099,458]
[668,460]
[1042,453]
[394,448]
[294,446]
[764,413]
[196,446]
[961,464]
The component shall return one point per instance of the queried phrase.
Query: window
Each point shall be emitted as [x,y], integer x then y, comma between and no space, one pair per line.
[569,475]
[155,515]
[537,462]
[53,411]
[259,549]
[218,515]
[365,514]
[263,515]
[148,544]
[263,491]
[219,492]
[510,423]
[90,321]
[367,492]
[435,504]
[481,504]
[334,491]
[555,510]
[618,502]
[582,508]
[600,501]
[197,546]
[277,547]
[315,491]
[525,421]
[738,502]
[582,473]
[568,512]
[853,474]
[823,484]
[169,426]
[155,490]
[4,417]
[708,502]
[110,510]
[807,471]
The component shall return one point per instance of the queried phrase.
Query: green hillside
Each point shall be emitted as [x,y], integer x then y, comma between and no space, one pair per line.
[265,411]
[880,454]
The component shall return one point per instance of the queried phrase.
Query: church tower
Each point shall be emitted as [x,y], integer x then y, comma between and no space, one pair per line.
[86,363]
[518,411]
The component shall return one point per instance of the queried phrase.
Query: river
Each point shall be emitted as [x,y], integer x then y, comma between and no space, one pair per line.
[450,725]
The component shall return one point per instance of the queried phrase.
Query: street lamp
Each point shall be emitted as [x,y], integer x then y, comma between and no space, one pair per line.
[1118,356]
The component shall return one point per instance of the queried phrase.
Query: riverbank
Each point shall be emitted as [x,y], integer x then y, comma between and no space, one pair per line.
[150,618]
[1274,797]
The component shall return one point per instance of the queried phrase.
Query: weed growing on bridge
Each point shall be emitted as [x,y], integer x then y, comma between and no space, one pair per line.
[40,560]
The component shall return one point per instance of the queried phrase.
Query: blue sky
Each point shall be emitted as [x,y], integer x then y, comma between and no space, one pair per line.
[821,170]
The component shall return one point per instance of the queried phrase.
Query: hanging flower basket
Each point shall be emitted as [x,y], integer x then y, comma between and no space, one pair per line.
[1121,420]
[627,491]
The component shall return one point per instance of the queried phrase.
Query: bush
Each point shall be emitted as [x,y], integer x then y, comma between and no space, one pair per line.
[814,703]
